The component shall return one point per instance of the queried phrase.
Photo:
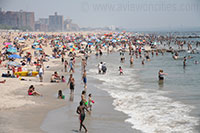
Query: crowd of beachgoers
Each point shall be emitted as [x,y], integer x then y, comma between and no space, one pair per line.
[25,55]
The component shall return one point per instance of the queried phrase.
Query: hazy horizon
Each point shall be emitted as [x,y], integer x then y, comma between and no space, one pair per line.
[129,14]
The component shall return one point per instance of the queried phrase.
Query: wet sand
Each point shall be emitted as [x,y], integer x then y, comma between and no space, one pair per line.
[102,119]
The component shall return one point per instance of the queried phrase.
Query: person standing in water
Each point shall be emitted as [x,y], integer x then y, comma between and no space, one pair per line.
[71,83]
[161,75]
[81,111]
[84,79]
[90,101]
[184,61]
[83,98]
[131,60]
[120,70]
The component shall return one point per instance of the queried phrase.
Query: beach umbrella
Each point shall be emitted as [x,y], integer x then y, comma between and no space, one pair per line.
[14,56]
[7,43]
[97,40]
[40,49]
[114,40]
[12,50]
[13,63]
[84,43]
[72,49]
[41,38]
[57,45]
[90,43]
[8,46]
[21,40]
[35,43]
[26,48]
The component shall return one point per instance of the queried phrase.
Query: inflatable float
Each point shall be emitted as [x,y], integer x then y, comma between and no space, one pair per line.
[26,73]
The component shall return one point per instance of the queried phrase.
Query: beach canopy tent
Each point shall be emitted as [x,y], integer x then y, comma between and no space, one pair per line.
[13,63]
[12,50]
[14,56]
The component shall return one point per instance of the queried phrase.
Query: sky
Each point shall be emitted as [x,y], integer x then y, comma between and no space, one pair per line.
[130,14]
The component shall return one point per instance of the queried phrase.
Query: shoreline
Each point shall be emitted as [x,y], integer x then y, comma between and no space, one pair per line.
[102,119]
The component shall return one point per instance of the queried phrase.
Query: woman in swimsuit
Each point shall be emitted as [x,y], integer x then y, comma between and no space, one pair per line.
[31,91]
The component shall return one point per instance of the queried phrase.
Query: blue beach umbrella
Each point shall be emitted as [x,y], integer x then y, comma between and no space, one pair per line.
[90,43]
[40,49]
[114,40]
[12,63]
[12,50]
[35,43]
[14,56]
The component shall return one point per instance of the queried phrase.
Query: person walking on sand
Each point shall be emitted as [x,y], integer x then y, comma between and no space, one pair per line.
[41,73]
[71,65]
[65,65]
[81,111]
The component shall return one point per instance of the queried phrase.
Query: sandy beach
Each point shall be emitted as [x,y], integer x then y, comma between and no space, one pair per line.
[131,102]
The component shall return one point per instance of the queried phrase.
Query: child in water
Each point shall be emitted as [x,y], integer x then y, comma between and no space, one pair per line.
[60,95]
[120,70]
[90,101]
[63,79]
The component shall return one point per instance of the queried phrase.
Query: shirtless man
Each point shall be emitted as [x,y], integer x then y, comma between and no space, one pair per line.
[81,111]
[84,63]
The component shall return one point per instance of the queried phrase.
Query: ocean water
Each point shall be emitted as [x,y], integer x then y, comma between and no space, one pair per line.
[154,107]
